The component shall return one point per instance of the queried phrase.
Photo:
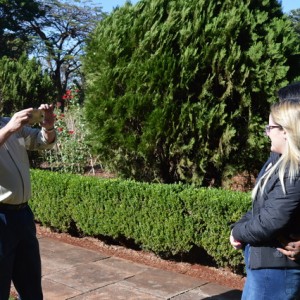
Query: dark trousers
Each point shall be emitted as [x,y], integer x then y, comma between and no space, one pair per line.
[20,260]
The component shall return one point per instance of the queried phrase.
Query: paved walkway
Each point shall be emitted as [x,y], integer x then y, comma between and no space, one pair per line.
[72,272]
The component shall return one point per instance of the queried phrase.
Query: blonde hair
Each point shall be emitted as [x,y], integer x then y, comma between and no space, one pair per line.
[287,115]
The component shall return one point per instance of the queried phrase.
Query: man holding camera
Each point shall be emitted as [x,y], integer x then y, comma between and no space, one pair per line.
[20,260]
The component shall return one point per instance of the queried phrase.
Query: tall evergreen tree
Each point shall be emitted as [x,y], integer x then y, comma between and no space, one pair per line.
[180,90]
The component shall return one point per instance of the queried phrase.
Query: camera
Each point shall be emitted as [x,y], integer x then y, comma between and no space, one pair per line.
[36,116]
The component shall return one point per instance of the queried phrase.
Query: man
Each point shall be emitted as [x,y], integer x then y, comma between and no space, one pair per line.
[20,260]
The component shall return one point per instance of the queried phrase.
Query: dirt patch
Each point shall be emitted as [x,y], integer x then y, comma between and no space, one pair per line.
[243,182]
[211,274]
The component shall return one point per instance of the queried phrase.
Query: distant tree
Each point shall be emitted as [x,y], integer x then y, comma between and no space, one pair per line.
[23,83]
[294,16]
[180,90]
[59,38]
[14,34]
[294,60]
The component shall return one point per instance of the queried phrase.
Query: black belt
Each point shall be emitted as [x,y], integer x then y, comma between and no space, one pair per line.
[5,206]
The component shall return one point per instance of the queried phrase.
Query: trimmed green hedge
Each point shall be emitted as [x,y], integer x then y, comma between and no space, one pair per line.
[164,219]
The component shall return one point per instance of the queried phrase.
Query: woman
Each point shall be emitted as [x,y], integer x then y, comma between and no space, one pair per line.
[275,213]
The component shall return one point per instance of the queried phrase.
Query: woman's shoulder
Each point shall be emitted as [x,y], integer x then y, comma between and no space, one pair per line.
[292,183]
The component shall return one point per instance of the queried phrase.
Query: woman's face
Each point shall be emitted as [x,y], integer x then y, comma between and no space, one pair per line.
[277,137]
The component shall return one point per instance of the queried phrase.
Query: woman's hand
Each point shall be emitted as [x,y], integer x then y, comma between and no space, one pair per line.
[291,248]
[235,244]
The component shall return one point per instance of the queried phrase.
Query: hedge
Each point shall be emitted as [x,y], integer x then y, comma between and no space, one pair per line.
[165,219]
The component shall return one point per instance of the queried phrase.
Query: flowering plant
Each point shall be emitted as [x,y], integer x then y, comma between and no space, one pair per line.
[71,153]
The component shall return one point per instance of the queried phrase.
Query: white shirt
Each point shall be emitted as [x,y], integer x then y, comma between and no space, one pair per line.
[15,187]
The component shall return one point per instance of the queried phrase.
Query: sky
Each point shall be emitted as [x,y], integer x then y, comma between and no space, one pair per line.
[288,5]
[108,5]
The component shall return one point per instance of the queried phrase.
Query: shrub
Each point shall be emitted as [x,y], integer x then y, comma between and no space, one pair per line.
[49,199]
[180,90]
[165,219]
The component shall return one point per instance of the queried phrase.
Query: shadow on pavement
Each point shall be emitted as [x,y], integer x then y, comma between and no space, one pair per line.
[230,295]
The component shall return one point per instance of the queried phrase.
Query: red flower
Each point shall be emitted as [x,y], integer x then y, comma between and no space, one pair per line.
[67,95]
[71,131]
[60,129]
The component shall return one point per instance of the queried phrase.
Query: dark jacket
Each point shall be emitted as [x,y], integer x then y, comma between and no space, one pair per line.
[273,158]
[274,215]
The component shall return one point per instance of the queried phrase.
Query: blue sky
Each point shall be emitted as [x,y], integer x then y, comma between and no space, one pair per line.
[290,4]
[108,5]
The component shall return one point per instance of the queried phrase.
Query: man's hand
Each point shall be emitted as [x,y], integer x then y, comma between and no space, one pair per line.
[235,244]
[18,120]
[49,119]
[291,248]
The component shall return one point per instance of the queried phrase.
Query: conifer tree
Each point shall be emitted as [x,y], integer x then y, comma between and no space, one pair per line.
[23,84]
[180,90]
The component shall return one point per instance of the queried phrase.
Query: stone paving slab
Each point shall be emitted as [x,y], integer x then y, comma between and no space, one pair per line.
[89,276]
[68,252]
[58,256]
[56,291]
[122,264]
[160,283]
[116,292]
[73,272]
[210,291]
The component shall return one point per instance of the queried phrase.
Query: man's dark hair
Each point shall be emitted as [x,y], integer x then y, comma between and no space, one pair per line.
[290,92]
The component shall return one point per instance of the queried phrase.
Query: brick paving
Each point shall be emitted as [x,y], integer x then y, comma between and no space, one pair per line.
[73,272]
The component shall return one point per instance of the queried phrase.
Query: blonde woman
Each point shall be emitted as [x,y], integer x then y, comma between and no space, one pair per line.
[275,213]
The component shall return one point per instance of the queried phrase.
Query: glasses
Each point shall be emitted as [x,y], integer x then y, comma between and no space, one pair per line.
[269,127]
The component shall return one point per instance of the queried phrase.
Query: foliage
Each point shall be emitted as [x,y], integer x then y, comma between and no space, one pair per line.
[180,90]
[165,219]
[23,84]
[59,38]
[53,31]
[71,153]
[14,34]
[48,199]
[294,16]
